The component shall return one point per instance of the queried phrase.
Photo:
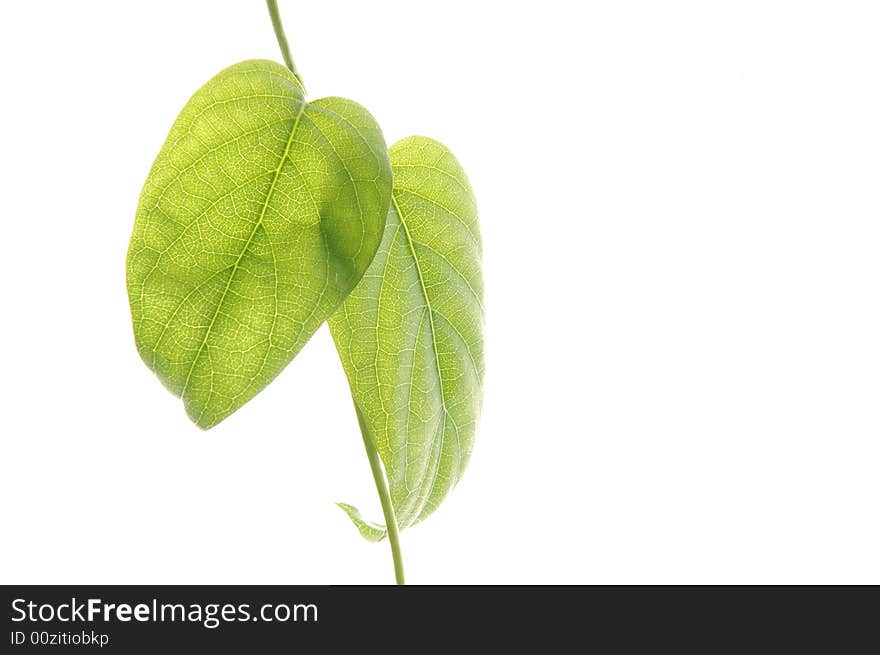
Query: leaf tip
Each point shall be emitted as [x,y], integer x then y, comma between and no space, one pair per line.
[203,420]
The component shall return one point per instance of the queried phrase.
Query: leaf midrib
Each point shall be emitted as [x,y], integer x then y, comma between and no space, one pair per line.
[409,243]
[242,253]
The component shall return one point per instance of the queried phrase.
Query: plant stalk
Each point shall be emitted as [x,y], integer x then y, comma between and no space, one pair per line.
[282,39]
[372,455]
[385,499]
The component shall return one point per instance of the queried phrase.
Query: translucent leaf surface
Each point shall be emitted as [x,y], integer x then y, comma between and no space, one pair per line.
[369,530]
[411,334]
[260,215]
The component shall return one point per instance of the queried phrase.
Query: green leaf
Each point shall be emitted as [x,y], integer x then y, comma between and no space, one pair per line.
[260,215]
[410,336]
[369,530]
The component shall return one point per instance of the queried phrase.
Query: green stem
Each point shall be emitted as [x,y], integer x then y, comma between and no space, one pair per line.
[385,499]
[282,39]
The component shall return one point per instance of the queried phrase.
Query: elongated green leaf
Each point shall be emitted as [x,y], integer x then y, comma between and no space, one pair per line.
[410,335]
[260,215]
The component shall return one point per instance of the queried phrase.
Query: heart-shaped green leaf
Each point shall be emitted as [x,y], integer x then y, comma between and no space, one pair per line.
[410,336]
[260,215]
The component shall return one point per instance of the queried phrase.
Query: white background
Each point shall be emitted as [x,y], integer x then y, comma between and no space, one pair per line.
[681,217]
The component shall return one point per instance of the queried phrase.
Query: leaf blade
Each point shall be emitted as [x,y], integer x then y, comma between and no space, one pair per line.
[410,335]
[242,241]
